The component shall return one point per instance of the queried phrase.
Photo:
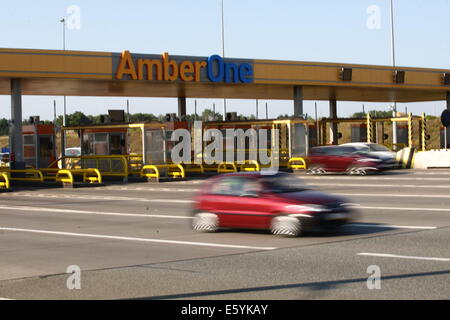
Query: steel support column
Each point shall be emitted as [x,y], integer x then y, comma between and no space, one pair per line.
[16,142]
[448,131]
[334,126]
[181,108]
[298,101]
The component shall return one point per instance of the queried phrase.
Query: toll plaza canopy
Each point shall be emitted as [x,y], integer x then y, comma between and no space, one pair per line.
[82,73]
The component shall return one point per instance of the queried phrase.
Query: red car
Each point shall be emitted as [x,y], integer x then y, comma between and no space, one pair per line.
[346,159]
[280,203]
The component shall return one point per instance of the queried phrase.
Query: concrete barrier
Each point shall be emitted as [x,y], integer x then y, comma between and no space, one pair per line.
[432,159]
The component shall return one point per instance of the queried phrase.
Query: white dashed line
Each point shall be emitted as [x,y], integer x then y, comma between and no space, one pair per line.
[165,241]
[386,255]
[371,185]
[391,226]
[160,216]
[55,210]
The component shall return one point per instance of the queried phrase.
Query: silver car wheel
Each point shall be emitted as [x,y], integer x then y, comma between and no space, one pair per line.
[205,222]
[286,226]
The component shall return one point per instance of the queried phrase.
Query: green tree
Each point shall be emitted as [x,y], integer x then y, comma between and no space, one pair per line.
[373,113]
[142,117]
[79,118]
[210,115]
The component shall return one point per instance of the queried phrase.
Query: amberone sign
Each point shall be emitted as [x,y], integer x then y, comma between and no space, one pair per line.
[192,69]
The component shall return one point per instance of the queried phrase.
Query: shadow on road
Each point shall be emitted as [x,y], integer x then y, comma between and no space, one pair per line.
[322,285]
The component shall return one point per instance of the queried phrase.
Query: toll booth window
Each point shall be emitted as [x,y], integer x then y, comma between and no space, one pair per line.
[97,144]
[100,144]
[117,144]
[29,139]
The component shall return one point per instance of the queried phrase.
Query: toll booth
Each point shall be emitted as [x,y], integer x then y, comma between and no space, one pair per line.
[147,142]
[104,140]
[39,147]
[157,143]
[411,131]
[292,134]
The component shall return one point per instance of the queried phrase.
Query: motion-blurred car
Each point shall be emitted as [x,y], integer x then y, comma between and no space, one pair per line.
[387,157]
[280,203]
[341,159]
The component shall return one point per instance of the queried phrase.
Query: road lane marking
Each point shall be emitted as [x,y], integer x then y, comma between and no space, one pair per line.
[391,226]
[88,197]
[393,195]
[366,178]
[165,241]
[51,210]
[86,212]
[371,185]
[386,255]
[148,189]
[403,209]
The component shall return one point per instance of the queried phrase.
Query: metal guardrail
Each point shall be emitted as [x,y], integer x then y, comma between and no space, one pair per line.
[291,163]
[111,165]
[29,175]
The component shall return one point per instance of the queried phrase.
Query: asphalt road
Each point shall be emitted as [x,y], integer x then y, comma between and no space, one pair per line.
[134,241]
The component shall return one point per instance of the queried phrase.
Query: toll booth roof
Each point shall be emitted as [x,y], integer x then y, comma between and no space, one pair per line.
[83,73]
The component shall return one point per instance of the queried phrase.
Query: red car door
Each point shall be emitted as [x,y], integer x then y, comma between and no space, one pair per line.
[238,203]
[342,159]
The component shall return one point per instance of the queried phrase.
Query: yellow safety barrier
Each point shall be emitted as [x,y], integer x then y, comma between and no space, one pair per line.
[226,167]
[193,167]
[89,175]
[5,184]
[210,167]
[49,173]
[30,175]
[153,174]
[292,163]
[174,170]
[250,165]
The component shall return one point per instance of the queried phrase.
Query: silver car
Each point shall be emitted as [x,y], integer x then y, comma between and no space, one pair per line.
[376,150]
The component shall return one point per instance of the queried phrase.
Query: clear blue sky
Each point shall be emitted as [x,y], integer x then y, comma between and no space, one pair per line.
[320,30]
